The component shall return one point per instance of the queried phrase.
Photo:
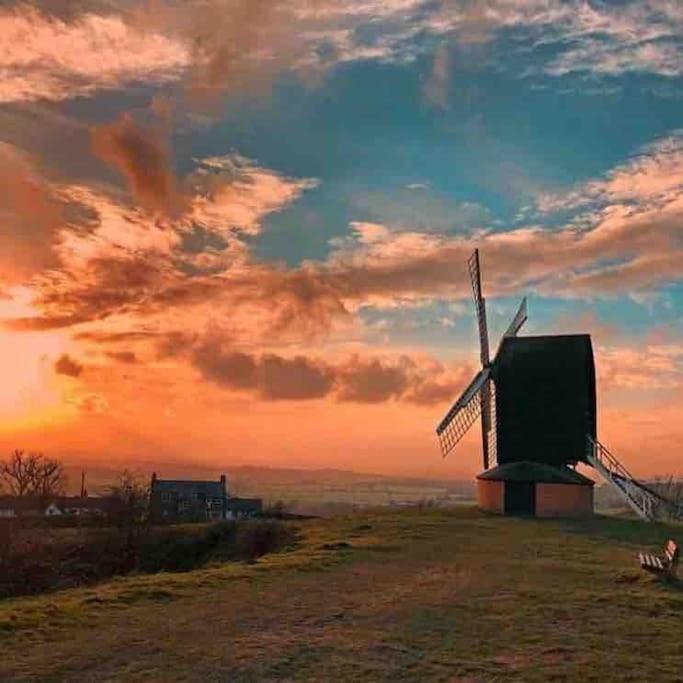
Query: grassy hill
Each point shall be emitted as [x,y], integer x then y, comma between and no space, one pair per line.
[410,595]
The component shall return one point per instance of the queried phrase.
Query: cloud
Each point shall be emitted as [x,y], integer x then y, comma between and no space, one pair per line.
[651,178]
[119,260]
[142,156]
[437,86]
[65,365]
[87,402]
[128,357]
[30,216]
[357,379]
[647,367]
[233,194]
[271,376]
[218,47]
[372,381]
[44,57]
[419,208]
[124,271]
[575,37]
[626,236]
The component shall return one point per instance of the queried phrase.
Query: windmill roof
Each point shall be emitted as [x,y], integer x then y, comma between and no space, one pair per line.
[549,343]
[535,471]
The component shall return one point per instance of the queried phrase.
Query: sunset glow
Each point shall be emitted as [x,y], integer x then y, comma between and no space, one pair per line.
[236,233]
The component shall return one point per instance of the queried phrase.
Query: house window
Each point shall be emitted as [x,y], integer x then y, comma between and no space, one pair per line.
[166,496]
[184,505]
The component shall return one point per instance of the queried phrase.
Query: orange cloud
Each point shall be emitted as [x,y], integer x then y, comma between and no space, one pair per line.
[648,367]
[133,266]
[142,156]
[44,57]
[65,365]
[30,217]
[358,379]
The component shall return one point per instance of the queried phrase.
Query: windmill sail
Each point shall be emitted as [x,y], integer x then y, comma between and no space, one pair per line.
[480,304]
[514,326]
[479,397]
[463,413]
[517,321]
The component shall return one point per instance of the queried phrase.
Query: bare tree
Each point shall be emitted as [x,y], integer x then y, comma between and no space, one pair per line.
[671,489]
[32,474]
[129,508]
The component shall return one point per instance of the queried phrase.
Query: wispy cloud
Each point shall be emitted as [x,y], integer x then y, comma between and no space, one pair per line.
[226,46]
[46,57]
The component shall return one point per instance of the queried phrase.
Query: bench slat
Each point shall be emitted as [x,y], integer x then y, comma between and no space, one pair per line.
[651,562]
[664,564]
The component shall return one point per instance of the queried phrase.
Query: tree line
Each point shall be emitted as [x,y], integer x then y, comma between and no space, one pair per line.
[32,474]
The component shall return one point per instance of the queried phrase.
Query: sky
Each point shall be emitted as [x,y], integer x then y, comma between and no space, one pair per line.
[236,231]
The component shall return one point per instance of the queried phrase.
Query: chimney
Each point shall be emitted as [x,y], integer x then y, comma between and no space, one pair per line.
[224,484]
[154,478]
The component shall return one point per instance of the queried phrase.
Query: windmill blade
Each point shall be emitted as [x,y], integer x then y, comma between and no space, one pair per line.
[480,305]
[463,413]
[485,394]
[516,324]
[517,321]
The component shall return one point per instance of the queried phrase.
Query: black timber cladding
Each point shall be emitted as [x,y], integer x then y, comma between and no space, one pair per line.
[545,398]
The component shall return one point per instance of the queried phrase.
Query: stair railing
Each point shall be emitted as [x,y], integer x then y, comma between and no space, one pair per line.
[641,501]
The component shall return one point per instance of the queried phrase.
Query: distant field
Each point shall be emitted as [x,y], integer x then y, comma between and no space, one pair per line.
[409,595]
[319,498]
[322,492]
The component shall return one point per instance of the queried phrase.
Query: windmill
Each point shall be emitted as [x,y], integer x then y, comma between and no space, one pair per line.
[537,402]
[479,397]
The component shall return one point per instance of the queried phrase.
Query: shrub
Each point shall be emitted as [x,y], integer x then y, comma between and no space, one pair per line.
[36,560]
[259,537]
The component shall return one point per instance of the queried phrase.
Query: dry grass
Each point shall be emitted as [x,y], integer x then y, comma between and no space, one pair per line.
[415,596]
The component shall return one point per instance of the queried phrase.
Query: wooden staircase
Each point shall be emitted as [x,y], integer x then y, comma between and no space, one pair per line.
[646,503]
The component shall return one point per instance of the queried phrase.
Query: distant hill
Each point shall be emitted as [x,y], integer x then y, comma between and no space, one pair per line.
[314,491]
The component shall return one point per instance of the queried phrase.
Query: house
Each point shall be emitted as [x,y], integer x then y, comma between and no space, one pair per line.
[93,506]
[21,506]
[239,508]
[58,506]
[178,500]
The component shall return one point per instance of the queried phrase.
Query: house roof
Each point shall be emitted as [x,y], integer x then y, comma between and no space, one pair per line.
[36,503]
[22,503]
[535,471]
[245,504]
[84,503]
[186,487]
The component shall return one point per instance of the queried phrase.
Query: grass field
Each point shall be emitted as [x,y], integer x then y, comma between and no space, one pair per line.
[411,595]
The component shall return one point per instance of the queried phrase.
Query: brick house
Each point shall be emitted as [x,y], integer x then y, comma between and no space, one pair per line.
[179,500]
[240,508]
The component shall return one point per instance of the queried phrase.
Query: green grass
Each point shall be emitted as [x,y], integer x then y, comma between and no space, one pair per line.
[431,595]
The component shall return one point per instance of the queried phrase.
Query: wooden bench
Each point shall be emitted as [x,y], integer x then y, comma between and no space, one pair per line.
[666,564]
